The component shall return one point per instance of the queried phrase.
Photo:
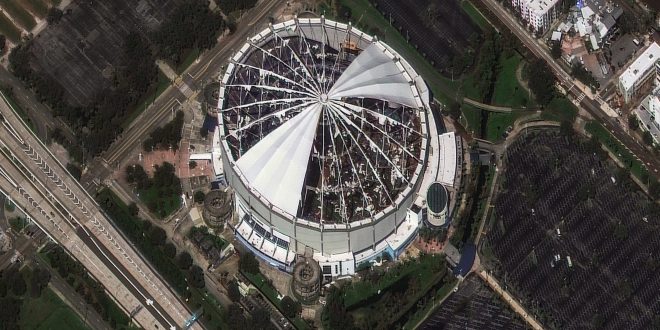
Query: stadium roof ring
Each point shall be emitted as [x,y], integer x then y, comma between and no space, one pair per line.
[323,124]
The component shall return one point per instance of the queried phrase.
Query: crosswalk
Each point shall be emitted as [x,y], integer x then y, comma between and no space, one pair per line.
[580,98]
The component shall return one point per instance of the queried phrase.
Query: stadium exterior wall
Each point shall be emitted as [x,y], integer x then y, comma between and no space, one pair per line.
[329,239]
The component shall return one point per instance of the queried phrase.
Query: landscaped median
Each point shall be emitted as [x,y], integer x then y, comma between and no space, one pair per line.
[613,145]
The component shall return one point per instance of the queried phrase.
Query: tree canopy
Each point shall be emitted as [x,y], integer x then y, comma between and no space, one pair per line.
[249,263]
[541,81]
[192,26]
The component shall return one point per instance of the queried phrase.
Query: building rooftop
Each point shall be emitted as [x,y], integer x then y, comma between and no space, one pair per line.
[640,66]
[541,5]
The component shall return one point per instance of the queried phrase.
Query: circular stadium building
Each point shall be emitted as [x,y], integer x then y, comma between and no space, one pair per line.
[437,203]
[323,135]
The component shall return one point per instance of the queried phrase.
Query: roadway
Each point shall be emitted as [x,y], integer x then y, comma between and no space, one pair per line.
[45,187]
[40,115]
[206,68]
[575,90]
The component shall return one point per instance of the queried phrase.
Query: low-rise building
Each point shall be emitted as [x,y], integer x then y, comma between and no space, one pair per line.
[539,14]
[641,74]
[649,116]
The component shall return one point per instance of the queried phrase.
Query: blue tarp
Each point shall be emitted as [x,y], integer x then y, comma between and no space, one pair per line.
[467,259]
[210,123]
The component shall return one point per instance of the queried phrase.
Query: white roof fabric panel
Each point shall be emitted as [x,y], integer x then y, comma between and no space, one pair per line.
[447,165]
[277,164]
[374,74]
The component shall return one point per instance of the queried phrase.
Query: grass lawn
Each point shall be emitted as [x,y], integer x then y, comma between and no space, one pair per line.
[363,290]
[476,16]
[498,122]
[148,98]
[507,91]
[48,312]
[368,18]
[469,89]
[190,57]
[624,155]
[560,109]
[170,203]
[8,29]
[19,14]
[411,279]
[471,119]
[37,7]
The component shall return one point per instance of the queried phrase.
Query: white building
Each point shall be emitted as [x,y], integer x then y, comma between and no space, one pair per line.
[641,72]
[537,13]
[324,138]
[648,114]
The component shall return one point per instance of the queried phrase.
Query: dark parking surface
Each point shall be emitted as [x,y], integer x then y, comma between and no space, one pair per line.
[439,28]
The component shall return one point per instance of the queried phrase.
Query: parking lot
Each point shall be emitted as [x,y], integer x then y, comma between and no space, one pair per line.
[574,239]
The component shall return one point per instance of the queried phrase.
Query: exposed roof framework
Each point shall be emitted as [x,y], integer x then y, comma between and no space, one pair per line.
[324,124]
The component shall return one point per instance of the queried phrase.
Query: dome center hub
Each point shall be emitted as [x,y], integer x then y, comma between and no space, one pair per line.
[323,98]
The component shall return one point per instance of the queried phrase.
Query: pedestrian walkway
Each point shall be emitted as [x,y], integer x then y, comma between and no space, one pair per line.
[515,305]
[167,70]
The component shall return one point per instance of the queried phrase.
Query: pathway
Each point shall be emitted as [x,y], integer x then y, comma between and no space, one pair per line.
[515,305]
[493,108]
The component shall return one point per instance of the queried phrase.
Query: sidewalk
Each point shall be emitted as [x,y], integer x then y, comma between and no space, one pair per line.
[517,307]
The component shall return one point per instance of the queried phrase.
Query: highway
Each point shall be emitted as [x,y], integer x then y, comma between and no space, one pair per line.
[591,105]
[42,188]
[205,69]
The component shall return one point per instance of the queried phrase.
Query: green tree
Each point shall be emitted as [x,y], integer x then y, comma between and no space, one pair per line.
[633,122]
[54,15]
[555,50]
[18,285]
[290,307]
[169,250]
[647,137]
[184,260]
[233,292]
[157,236]
[248,263]
[235,318]
[196,277]
[541,81]
[334,314]
[133,209]
[199,196]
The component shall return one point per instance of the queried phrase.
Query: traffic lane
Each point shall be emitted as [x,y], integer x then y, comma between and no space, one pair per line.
[618,132]
[128,280]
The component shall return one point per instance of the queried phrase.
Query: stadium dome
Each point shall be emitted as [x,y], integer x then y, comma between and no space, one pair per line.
[324,132]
